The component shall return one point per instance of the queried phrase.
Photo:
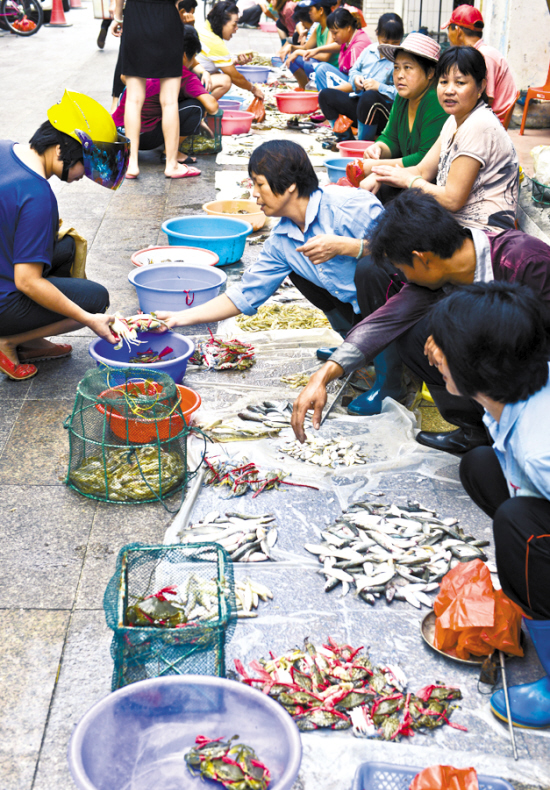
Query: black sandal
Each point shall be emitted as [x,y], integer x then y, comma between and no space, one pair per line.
[189,160]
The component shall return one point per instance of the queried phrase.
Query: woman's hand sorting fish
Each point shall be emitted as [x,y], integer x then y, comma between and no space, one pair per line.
[323,248]
[313,398]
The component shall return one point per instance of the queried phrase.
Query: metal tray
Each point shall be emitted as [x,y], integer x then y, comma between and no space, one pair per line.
[427,629]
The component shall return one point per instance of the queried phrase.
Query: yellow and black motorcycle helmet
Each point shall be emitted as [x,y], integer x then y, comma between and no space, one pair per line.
[105,151]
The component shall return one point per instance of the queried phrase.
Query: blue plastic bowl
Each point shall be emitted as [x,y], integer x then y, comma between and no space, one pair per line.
[233,97]
[105,354]
[135,738]
[276,62]
[176,286]
[229,104]
[225,237]
[336,166]
[254,73]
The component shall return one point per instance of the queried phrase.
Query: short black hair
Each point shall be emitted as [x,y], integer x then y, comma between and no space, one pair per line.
[475,33]
[283,163]
[301,14]
[326,5]
[191,42]
[342,18]
[415,221]
[495,338]
[425,63]
[220,14]
[391,26]
[47,136]
[187,5]
[469,61]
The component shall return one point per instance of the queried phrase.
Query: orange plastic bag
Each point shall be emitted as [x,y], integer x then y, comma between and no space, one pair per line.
[472,617]
[342,124]
[257,108]
[354,172]
[445,777]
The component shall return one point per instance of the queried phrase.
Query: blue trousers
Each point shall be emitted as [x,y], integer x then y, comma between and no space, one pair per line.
[308,66]
[328,76]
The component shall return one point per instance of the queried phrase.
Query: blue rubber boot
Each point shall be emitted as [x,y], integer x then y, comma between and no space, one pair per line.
[366,131]
[340,325]
[388,367]
[530,702]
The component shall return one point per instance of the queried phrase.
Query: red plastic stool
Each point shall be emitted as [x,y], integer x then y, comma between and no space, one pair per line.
[535,93]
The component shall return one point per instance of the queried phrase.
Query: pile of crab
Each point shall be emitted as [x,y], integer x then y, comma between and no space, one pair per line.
[334,687]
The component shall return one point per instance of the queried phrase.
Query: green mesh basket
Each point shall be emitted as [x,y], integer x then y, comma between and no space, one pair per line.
[201,143]
[127,436]
[196,647]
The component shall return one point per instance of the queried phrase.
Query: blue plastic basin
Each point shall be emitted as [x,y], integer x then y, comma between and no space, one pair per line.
[225,237]
[176,286]
[135,738]
[254,73]
[229,104]
[233,97]
[336,166]
[276,62]
[105,354]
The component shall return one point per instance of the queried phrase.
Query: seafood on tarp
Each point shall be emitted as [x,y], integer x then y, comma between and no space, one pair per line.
[248,594]
[126,329]
[335,687]
[282,316]
[245,538]
[273,414]
[223,355]
[295,380]
[392,551]
[325,452]
[240,477]
[234,765]
[129,474]
[236,430]
[175,606]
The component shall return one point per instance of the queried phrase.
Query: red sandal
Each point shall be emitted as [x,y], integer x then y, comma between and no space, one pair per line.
[16,372]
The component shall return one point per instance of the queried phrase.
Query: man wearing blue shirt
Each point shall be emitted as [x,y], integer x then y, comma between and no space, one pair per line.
[317,242]
[490,342]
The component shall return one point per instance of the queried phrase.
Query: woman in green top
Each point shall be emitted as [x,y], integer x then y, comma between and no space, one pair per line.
[416,118]
[320,36]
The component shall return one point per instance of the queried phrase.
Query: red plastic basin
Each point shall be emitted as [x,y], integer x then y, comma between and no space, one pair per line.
[236,122]
[297,102]
[354,148]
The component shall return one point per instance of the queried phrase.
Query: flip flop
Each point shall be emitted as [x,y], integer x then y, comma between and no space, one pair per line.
[60,350]
[130,175]
[16,372]
[189,160]
[191,171]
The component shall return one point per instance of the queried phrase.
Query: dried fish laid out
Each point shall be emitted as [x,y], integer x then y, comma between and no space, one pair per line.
[325,452]
[335,687]
[233,765]
[271,413]
[223,354]
[240,476]
[133,474]
[281,316]
[245,538]
[248,594]
[399,552]
[236,430]
[176,605]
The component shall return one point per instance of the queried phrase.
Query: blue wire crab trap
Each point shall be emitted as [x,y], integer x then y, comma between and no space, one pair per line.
[172,610]
[127,436]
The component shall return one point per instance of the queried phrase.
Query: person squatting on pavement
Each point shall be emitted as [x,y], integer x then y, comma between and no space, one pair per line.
[490,342]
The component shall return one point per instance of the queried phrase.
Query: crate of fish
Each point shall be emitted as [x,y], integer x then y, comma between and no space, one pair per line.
[172,610]
[205,143]
[127,436]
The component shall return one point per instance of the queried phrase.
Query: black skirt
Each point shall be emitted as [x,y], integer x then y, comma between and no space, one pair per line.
[152,39]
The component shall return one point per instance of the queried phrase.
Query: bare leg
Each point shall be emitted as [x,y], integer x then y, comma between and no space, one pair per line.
[135,96]
[221,83]
[8,345]
[169,90]
[301,77]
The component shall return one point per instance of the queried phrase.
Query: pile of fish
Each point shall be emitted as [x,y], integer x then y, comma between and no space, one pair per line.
[240,477]
[335,687]
[236,430]
[248,594]
[223,355]
[393,551]
[325,452]
[245,538]
[233,765]
[295,380]
[280,316]
[174,606]
[273,414]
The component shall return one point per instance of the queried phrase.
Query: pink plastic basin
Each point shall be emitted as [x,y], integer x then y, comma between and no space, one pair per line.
[354,147]
[268,27]
[236,122]
[297,102]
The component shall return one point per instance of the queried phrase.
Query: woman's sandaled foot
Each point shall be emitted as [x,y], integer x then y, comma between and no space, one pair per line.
[14,370]
[182,171]
[42,350]
[132,173]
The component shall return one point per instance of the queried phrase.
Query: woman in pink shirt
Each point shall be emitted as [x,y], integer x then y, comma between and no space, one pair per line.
[346,31]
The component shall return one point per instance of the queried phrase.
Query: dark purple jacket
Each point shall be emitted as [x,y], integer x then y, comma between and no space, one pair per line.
[515,257]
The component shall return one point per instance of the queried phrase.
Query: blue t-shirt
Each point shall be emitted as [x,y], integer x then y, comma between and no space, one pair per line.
[29,218]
